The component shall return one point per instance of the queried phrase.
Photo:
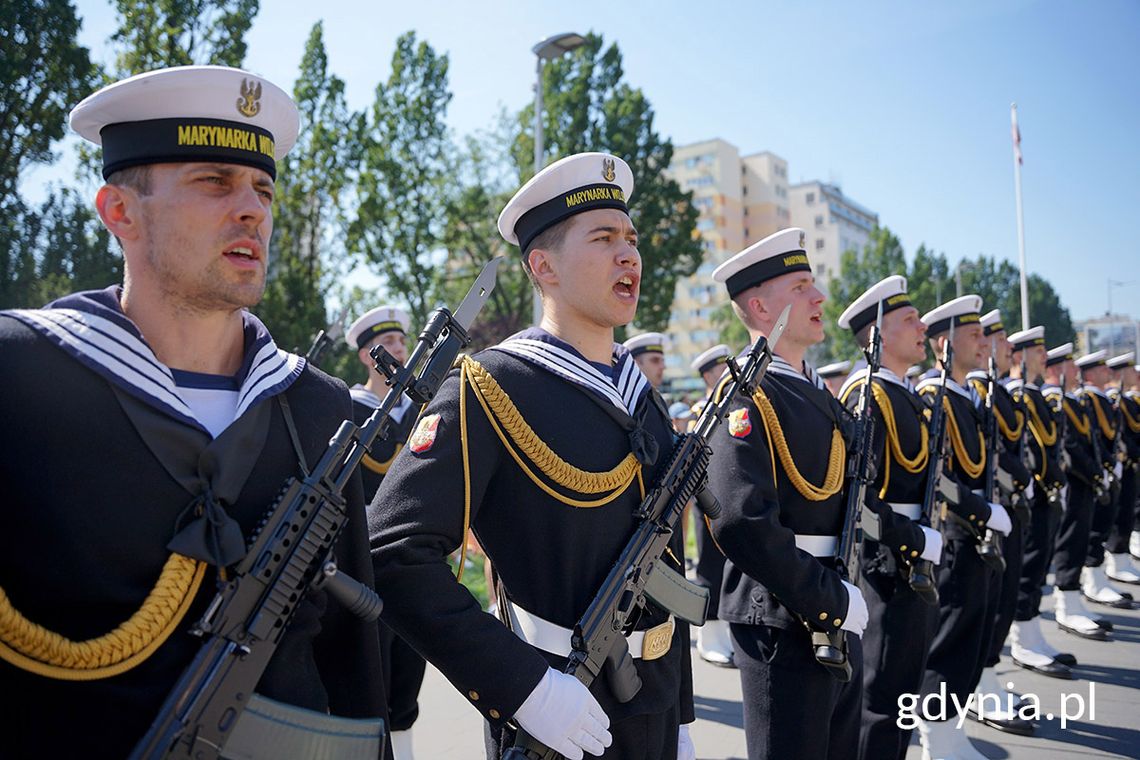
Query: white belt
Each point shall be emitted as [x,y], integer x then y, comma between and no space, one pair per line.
[913,511]
[818,546]
[978,492]
[550,637]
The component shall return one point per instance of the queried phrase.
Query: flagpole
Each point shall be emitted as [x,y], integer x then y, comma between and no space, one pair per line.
[1020,219]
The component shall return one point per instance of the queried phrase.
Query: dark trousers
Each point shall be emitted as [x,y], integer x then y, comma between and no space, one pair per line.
[1103,517]
[1126,513]
[710,563]
[895,645]
[793,707]
[639,737]
[965,618]
[1073,536]
[403,676]
[1044,517]
[1013,547]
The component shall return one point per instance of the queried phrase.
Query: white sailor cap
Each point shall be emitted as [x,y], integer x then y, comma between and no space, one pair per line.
[914,370]
[1122,361]
[706,360]
[189,113]
[582,182]
[864,309]
[645,343]
[1059,354]
[380,320]
[679,410]
[779,253]
[962,311]
[991,322]
[835,369]
[1034,336]
[1095,359]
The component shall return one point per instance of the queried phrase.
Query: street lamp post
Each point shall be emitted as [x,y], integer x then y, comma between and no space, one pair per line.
[546,50]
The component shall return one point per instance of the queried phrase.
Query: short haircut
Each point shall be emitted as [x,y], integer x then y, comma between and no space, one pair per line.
[136,178]
[550,239]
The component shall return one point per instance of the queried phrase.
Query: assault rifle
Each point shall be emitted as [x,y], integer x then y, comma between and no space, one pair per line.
[920,573]
[599,636]
[1103,484]
[989,548]
[326,337]
[292,553]
[831,646]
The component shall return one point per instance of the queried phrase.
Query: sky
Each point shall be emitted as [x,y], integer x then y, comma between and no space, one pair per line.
[905,105]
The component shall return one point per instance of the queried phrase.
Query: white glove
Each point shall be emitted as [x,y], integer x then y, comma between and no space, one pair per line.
[999,519]
[1105,480]
[1118,469]
[932,552]
[1029,491]
[563,714]
[685,748]
[856,619]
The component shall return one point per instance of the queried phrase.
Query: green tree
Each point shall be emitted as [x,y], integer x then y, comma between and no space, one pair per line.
[733,333]
[999,285]
[20,229]
[483,183]
[312,182]
[77,253]
[928,280]
[587,107]
[153,34]
[405,165]
[881,257]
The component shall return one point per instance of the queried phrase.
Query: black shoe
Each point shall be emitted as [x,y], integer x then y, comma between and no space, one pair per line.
[1104,623]
[1053,669]
[1018,726]
[1097,635]
[1123,603]
[1064,658]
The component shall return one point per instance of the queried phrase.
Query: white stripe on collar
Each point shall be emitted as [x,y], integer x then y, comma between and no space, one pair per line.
[883,374]
[127,361]
[780,366]
[951,385]
[364,396]
[624,392]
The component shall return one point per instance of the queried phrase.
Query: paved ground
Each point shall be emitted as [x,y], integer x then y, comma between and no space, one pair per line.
[449,729]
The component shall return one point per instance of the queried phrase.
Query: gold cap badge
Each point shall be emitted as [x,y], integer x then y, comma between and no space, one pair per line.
[608,173]
[249,103]
[803,241]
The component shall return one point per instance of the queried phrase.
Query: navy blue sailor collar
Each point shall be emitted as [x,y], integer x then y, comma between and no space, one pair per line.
[622,384]
[91,327]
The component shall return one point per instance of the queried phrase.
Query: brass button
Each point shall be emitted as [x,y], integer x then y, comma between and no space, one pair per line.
[493,713]
[902,548]
[913,553]
[972,517]
[823,616]
[474,695]
[838,622]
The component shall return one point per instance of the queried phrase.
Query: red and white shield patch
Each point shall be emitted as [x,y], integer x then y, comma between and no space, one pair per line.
[424,437]
[738,423]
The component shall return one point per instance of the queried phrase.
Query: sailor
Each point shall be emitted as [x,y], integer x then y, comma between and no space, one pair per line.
[778,470]
[1123,392]
[1095,375]
[714,642]
[834,375]
[148,428]
[1085,479]
[1028,647]
[1015,488]
[543,446]
[648,350]
[902,622]
[388,326]
[966,618]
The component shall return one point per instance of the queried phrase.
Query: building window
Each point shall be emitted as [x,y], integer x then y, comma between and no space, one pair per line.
[744,191]
[819,221]
[810,198]
[819,244]
[745,232]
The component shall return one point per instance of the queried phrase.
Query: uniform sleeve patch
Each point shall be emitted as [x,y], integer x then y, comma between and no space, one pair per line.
[424,436]
[739,425]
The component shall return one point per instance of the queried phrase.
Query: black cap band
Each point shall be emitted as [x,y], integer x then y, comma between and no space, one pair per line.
[160,141]
[377,329]
[995,327]
[652,347]
[767,269]
[1052,360]
[545,215]
[711,363]
[871,313]
[1028,342]
[942,325]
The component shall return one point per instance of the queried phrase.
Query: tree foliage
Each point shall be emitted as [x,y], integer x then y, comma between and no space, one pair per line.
[588,107]
[881,257]
[157,33]
[312,182]
[399,223]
